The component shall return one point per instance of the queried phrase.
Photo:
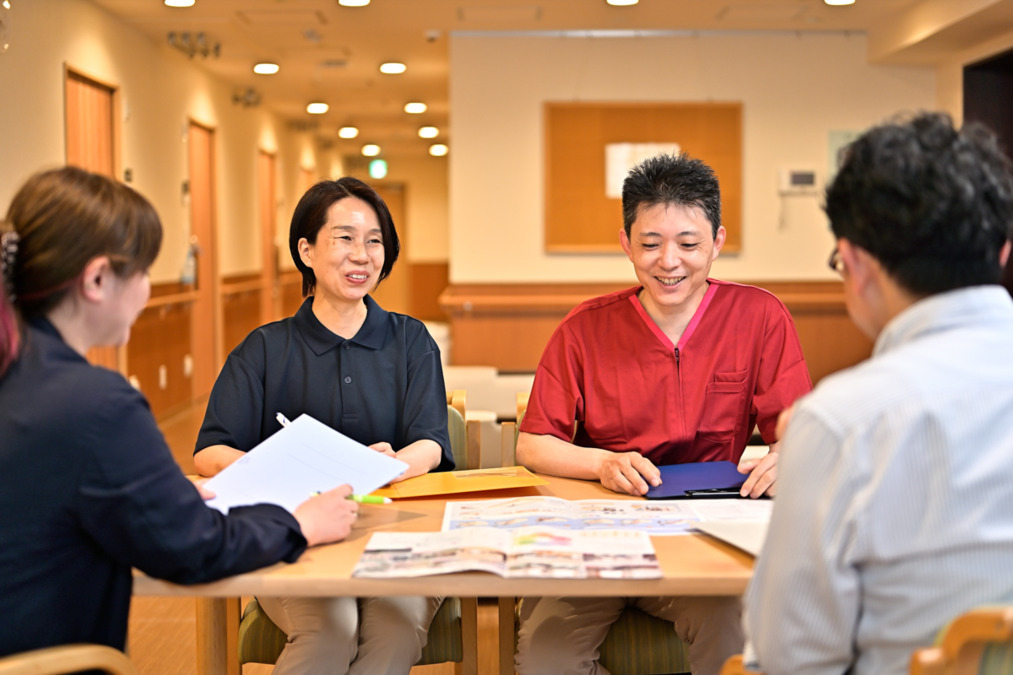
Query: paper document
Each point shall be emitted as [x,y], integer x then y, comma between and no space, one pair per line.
[297,462]
[529,552]
[747,535]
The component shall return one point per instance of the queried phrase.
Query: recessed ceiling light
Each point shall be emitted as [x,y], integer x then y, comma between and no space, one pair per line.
[348,132]
[622,3]
[353,3]
[839,3]
[392,68]
[414,107]
[179,3]
[428,132]
[317,108]
[371,150]
[438,149]
[266,68]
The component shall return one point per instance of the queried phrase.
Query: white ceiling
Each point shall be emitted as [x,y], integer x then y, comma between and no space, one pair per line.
[332,53]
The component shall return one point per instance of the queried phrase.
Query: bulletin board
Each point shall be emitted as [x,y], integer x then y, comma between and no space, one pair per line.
[579,216]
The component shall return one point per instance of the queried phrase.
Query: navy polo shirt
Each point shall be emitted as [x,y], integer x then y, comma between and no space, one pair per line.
[383,384]
[89,490]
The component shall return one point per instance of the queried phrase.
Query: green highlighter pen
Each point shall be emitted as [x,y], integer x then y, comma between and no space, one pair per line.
[370,499]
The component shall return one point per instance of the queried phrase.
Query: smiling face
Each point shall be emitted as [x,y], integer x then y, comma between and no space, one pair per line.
[348,254]
[672,247]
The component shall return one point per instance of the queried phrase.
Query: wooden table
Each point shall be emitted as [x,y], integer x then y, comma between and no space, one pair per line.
[690,565]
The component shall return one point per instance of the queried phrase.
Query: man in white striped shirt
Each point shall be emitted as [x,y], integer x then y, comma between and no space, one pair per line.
[895,504]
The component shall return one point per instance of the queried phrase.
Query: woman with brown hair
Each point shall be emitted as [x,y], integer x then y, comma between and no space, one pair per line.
[90,489]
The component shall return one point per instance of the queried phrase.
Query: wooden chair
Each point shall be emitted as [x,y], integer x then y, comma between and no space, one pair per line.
[735,666]
[453,634]
[636,644]
[978,641]
[67,659]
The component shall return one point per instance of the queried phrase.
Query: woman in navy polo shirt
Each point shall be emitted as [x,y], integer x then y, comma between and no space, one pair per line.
[373,375]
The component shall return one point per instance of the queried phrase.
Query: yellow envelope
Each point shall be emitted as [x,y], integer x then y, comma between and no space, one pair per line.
[449,482]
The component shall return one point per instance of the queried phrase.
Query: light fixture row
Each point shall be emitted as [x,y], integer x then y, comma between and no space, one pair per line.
[374,150]
[319,108]
[348,132]
[272,68]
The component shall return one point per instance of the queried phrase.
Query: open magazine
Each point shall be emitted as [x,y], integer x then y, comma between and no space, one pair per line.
[525,552]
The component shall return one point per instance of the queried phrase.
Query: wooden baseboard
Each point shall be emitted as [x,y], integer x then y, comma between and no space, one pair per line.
[508,325]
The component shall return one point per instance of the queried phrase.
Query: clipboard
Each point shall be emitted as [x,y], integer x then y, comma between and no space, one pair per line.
[699,480]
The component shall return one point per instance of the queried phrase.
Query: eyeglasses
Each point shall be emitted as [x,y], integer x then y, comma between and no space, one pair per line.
[835,262]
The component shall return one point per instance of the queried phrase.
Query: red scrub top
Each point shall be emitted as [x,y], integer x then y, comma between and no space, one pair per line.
[610,378]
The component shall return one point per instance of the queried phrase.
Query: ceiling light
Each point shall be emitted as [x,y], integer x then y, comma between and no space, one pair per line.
[392,68]
[348,132]
[266,68]
[839,3]
[622,3]
[428,132]
[353,3]
[371,150]
[317,108]
[179,3]
[414,107]
[438,149]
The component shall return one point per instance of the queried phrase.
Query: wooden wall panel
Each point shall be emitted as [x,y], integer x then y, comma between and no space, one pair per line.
[579,217]
[241,308]
[160,339]
[507,325]
[290,292]
[428,281]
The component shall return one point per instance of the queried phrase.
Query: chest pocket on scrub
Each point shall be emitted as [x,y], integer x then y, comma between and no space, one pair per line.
[724,408]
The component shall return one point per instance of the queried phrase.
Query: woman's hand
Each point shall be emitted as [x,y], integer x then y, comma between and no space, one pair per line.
[383,448]
[328,516]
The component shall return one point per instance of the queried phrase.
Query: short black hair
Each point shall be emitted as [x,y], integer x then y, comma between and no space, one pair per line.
[311,214]
[672,179]
[932,204]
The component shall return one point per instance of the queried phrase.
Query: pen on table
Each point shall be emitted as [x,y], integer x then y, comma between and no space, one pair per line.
[282,420]
[363,499]
[370,499]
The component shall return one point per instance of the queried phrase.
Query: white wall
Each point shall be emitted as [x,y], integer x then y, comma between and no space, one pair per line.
[795,88]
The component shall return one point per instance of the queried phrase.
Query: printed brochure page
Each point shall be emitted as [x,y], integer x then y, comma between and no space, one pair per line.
[649,516]
[541,552]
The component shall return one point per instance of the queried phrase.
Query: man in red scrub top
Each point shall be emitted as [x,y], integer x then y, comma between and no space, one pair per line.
[681,368]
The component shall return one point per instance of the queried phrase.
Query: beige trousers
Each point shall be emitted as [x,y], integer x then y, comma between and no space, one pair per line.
[561,636]
[358,636]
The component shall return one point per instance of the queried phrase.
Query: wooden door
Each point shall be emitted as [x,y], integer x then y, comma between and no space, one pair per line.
[90,136]
[269,307]
[394,294]
[206,323]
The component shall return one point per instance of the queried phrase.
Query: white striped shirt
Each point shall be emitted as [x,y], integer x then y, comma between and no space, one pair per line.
[895,495]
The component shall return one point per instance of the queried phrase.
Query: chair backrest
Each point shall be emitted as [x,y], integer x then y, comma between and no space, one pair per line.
[508,433]
[67,659]
[978,641]
[465,435]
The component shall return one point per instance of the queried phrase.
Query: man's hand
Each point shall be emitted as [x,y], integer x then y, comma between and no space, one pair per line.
[628,472]
[328,516]
[762,475]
